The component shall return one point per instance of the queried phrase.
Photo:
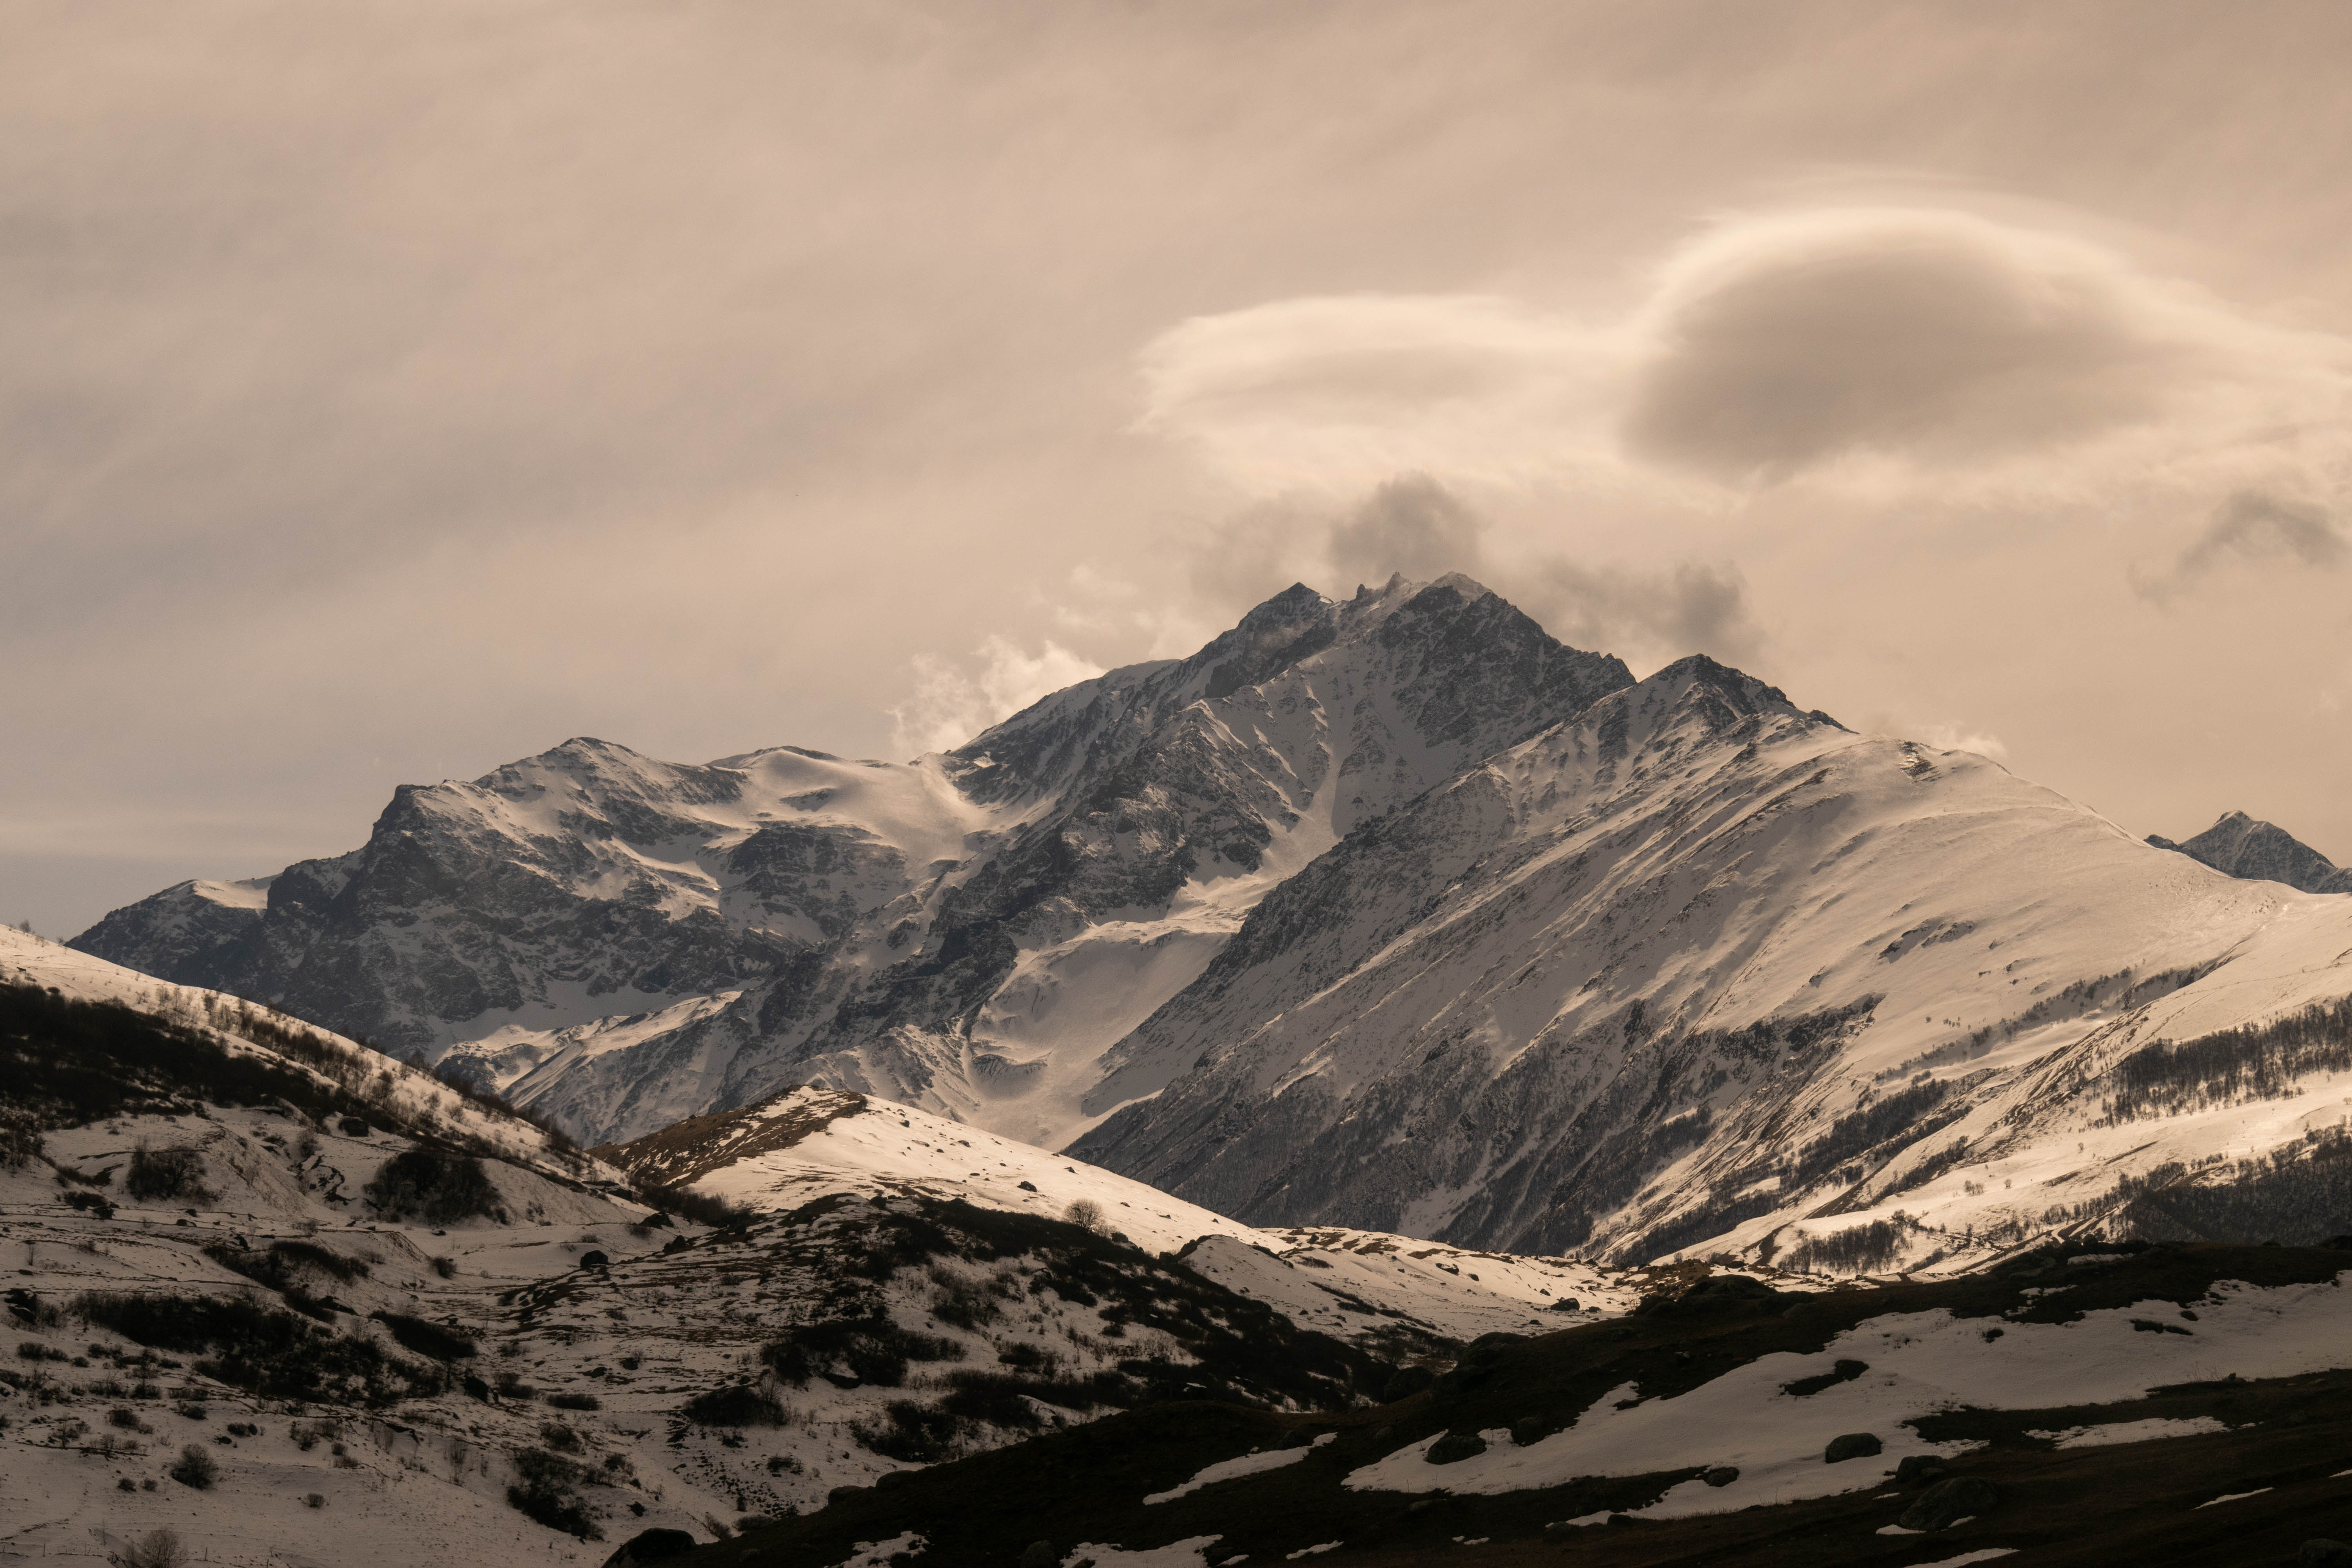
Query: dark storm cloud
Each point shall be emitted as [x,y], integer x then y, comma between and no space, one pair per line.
[1411,525]
[1416,525]
[1787,343]
[1659,615]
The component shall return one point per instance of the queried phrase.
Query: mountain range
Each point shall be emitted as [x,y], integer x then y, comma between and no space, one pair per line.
[1391,914]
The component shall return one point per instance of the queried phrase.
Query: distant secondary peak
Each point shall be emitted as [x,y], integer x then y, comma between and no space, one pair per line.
[1741,689]
[2249,848]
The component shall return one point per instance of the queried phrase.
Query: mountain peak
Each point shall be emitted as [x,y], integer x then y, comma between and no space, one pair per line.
[2254,850]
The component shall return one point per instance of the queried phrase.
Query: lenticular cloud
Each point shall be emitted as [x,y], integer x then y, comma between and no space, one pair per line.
[1846,341]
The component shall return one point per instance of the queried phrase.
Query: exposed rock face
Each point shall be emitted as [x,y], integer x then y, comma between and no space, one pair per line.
[622,941]
[2239,845]
[1697,967]
[1390,913]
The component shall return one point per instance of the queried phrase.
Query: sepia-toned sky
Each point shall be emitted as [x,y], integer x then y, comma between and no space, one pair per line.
[392,390]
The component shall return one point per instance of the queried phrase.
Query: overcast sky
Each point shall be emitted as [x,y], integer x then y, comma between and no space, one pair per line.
[392,391]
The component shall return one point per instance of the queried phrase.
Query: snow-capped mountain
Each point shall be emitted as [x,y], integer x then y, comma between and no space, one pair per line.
[2242,846]
[620,943]
[1391,915]
[1700,969]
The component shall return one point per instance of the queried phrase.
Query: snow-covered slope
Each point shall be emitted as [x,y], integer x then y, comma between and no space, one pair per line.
[336,1066]
[1698,970]
[391,1323]
[620,943]
[806,1143]
[1914,1365]
[1364,1285]
[1392,1294]
[2172,1405]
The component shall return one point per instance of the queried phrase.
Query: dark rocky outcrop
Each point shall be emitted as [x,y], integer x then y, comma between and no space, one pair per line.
[1851,1445]
[2241,846]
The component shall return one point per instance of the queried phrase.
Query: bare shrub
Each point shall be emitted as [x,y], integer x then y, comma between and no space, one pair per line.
[167,1176]
[435,1186]
[20,1146]
[1857,1250]
[157,1548]
[195,1468]
[1087,1214]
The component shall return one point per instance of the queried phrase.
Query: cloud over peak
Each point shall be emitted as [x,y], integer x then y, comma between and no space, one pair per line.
[1784,342]
[1938,342]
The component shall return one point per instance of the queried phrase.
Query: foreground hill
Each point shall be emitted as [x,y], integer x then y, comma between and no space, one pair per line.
[2166,1405]
[390,1321]
[1390,1294]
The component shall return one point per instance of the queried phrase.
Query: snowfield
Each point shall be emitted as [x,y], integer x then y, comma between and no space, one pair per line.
[1919,1363]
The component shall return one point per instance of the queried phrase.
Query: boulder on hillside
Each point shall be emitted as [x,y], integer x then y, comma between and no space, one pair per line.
[1946,1503]
[1851,1445]
[1918,1469]
[1455,1446]
[1408,1382]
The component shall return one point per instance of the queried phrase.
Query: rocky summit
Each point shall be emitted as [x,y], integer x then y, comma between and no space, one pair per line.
[2242,847]
[620,941]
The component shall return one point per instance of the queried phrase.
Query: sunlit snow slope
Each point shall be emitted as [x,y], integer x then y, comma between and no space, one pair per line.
[804,1145]
[1699,969]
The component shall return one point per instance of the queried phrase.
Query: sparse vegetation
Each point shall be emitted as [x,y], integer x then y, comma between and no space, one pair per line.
[167,1176]
[544,1492]
[912,1432]
[961,1302]
[2258,1062]
[701,1207]
[195,1468]
[2298,1194]
[864,1350]
[735,1404]
[427,1338]
[435,1185]
[157,1548]
[284,1267]
[262,1350]
[1856,1250]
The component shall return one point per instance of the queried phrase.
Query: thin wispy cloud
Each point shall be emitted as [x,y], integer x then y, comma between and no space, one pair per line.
[2251,528]
[954,700]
